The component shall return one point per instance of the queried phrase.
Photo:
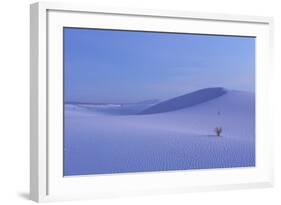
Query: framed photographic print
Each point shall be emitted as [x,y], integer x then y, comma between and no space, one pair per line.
[129,102]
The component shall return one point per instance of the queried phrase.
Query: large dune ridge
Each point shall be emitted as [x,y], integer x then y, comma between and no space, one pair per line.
[185,101]
[159,137]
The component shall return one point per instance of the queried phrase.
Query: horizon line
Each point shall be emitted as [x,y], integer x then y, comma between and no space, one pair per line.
[156,100]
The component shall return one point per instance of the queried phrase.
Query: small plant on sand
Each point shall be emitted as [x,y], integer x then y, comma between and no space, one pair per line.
[218,131]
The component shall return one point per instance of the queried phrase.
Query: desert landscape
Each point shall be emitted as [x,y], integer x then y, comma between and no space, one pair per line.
[161,135]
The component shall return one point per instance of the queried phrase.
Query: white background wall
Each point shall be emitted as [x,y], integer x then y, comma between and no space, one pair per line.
[14,101]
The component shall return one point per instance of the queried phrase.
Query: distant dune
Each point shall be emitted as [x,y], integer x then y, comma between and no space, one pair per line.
[185,101]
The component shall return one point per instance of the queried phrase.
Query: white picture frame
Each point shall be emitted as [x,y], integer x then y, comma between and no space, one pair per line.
[46,179]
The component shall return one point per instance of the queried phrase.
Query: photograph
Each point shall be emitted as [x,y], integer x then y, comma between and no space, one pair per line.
[148,101]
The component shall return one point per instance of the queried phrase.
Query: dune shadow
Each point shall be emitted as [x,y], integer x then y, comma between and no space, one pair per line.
[185,101]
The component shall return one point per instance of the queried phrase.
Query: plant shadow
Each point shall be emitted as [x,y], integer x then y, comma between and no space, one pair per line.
[215,136]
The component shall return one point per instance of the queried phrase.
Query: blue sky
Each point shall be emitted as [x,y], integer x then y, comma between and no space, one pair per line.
[123,66]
